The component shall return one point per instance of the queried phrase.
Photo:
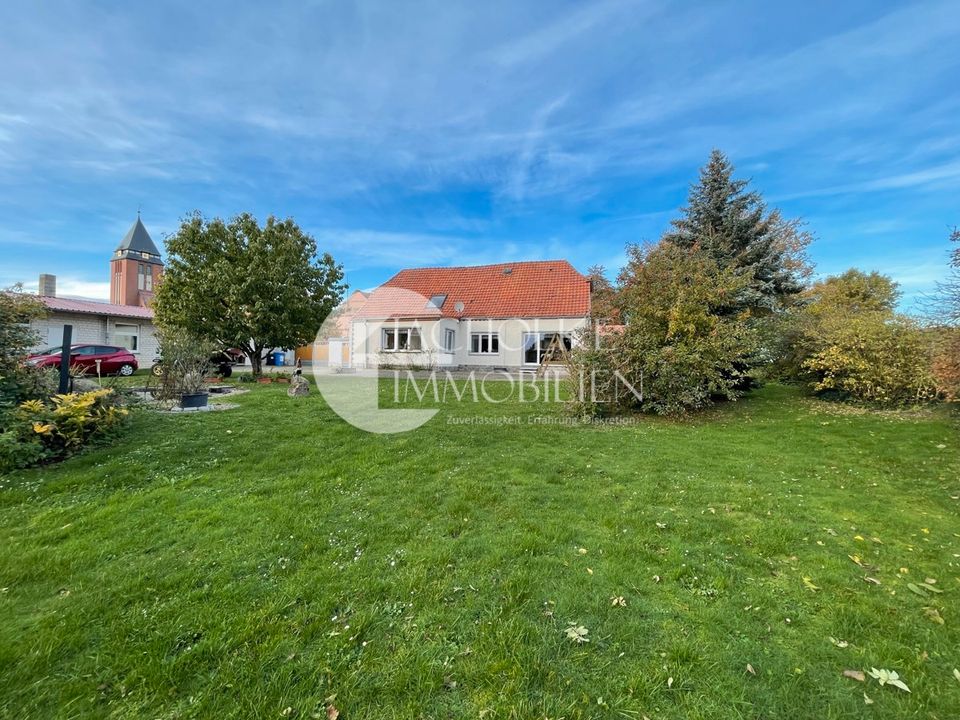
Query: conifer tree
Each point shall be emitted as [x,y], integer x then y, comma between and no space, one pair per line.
[732,224]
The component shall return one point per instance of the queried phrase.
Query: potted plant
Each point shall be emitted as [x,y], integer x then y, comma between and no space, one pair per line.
[186,366]
[193,390]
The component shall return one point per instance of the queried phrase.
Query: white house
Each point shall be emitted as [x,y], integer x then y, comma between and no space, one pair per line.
[486,316]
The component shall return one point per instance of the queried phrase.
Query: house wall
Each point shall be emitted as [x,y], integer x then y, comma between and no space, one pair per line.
[88,328]
[366,335]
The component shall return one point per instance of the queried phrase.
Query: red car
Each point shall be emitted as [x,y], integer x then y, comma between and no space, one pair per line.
[86,357]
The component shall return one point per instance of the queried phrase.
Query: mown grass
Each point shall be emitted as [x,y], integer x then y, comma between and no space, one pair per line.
[256,563]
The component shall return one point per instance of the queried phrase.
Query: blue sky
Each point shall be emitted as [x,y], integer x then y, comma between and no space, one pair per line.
[439,133]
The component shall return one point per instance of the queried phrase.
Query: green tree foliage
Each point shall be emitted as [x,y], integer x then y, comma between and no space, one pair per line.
[17,309]
[19,382]
[677,350]
[604,298]
[853,293]
[732,225]
[854,345]
[248,286]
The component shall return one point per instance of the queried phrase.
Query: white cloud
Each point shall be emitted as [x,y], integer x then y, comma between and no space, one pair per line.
[76,288]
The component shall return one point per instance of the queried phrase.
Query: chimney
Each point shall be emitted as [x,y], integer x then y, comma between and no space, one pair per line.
[48,285]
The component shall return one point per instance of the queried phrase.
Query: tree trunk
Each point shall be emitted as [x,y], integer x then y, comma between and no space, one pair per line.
[255,363]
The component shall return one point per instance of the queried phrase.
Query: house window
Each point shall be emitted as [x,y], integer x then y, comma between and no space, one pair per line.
[127,336]
[449,340]
[536,344]
[144,277]
[485,343]
[400,339]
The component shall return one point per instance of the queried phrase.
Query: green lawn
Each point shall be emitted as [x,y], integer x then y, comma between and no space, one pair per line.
[257,562]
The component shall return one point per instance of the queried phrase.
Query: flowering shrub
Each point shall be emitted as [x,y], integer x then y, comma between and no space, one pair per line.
[40,431]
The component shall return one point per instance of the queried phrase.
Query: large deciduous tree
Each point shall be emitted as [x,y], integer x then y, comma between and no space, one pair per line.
[247,286]
[733,226]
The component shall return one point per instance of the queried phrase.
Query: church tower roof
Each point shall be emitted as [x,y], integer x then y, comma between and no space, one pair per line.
[138,244]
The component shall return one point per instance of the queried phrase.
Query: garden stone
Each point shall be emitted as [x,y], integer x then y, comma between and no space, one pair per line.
[299,387]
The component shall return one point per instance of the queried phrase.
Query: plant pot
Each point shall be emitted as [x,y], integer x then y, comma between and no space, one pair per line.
[282,380]
[264,380]
[194,400]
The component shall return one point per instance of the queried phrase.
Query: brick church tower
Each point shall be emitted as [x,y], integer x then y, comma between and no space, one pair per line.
[135,268]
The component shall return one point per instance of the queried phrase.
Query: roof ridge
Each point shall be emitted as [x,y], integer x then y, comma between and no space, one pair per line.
[488,265]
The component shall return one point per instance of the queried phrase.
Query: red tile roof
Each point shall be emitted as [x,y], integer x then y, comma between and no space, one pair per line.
[544,289]
[92,307]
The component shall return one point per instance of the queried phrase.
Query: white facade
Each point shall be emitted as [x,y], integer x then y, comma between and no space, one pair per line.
[512,343]
[137,334]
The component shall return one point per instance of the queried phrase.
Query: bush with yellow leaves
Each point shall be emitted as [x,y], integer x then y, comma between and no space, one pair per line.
[41,431]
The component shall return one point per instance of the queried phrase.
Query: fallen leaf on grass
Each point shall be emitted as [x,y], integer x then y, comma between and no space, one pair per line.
[867,700]
[956,674]
[888,677]
[750,669]
[871,580]
[856,559]
[933,614]
[931,588]
[618,601]
[839,643]
[590,571]
[669,682]
[332,712]
[915,590]
[808,583]
[577,633]
[855,675]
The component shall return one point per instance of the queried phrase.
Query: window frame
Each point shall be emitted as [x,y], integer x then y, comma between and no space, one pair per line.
[538,344]
[144,277]
[449,340]
[396,332]
[136,336]
[492,338]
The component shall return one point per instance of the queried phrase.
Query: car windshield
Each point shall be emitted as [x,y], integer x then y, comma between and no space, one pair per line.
[51,351]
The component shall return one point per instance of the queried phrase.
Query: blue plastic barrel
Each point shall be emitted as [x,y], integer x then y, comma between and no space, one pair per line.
[278,357]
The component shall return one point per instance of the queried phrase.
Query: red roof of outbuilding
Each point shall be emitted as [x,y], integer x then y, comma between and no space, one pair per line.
[546,289]
[92,307]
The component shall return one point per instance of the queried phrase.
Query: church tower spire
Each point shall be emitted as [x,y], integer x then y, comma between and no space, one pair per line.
[135,267]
